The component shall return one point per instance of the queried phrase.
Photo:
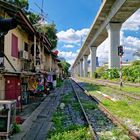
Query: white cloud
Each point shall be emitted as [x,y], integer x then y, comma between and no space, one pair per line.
[68,46]
[68,55]
[102,52]
[72,36]
[130,41]
[78,51]
[131,44]
[133,23]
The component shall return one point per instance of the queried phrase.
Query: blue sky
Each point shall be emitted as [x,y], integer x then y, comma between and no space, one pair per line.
[73,19]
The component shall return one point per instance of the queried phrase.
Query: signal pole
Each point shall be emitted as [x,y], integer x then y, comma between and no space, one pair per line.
[121,82]
[120,53]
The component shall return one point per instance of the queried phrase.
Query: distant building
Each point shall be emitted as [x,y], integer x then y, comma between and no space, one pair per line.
[97,62]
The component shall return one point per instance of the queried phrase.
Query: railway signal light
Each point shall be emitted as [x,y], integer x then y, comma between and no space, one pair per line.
[120,50]
[7,24]
[120,53]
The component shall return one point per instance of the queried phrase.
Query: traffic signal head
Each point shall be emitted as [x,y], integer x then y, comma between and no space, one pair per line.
[7,24]
[120,50]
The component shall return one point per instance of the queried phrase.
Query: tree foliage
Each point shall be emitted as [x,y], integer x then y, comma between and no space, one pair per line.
[50,31]
[136,62]
[34,18]
[65,66]
[129,73]
[20,3]
[43,27]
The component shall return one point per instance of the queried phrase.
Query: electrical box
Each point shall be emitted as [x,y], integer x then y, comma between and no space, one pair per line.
[7,116]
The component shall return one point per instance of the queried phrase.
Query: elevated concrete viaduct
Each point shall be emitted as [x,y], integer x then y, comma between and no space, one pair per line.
[107,23]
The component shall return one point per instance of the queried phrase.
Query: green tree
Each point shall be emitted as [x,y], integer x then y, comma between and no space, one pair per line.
[50,31]
[20,3]
[65,66]
[47,29]
[136,62]
[34,18]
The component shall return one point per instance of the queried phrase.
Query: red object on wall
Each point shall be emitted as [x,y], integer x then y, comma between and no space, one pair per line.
[14,51]
[12,87]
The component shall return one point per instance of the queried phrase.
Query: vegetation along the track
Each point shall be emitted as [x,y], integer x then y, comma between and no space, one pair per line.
[125,108]
[69,123]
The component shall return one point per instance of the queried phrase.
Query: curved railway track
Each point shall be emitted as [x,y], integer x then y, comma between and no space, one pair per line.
[114,119]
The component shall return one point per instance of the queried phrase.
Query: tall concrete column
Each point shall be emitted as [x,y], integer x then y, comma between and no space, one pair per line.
[85,66]
[93,60]
[78,68]
[114,41]
[81,67]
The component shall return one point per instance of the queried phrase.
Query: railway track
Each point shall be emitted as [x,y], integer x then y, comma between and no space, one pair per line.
[93,132]
[113,86]
[115,120]
[117,83]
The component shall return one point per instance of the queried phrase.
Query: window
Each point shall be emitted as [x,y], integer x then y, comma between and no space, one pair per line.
[25,46]
[14,51]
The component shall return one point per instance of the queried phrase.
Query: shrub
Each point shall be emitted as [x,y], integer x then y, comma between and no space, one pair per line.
[15,128]
[95,75]
[136,62]
[101,70]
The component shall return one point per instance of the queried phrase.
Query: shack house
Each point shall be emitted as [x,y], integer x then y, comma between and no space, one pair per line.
[26,54]
[15,47]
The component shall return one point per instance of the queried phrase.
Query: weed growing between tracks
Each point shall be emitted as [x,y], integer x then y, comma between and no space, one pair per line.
[65,124]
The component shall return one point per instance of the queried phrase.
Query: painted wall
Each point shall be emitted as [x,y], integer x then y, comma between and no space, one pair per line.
[22,37]
[2,87]
[48,62]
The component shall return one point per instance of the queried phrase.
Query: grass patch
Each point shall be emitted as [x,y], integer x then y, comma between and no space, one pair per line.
[59,83]
[89,105]
[115,134]
[67,98]
[57,119]
[131,89]
[74,134]
[124,110]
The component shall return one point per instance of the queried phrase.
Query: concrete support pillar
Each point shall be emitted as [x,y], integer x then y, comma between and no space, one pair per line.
[81,67]
[85,66]
[78,68]
[93,60]
[74,71]
[114,41]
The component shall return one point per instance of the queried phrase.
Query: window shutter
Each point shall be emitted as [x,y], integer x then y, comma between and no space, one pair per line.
[14,51]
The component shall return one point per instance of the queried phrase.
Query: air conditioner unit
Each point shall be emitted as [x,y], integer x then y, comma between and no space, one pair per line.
[22,54]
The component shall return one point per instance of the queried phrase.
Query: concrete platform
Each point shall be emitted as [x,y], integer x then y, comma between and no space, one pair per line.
[37,125]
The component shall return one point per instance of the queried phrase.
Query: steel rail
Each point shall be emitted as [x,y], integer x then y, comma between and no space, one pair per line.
[127,94]
[117,83]
[93,132]
[114,119]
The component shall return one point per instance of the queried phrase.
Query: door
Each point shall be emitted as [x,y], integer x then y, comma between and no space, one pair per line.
[12,87]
